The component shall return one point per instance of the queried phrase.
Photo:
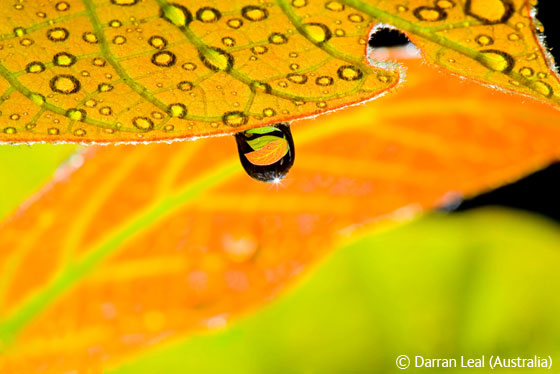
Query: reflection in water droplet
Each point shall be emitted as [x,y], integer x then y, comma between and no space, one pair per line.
[266,153]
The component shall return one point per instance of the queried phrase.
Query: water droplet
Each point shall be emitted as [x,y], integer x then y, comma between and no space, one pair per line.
[543,88]
[105,87]
[324,80]
[64,59]
[176,14]
[164,59]
[157,42]
[269,112]
[297,78]
[228,41]
[235,23]
[484,40]
[189,66]
[526,71]
[63,6]
[259,49]
[98,61]
[334,6]
[490,12]
[76,114]
[208,15]
[266,153]
[178,110]
[428,14]
[115,23]
[532,56]
[299,3]
[26,42]
[216,59]
[185,86]
[317,32]
[119,40]
[235,119]
[277,38]
[35,67]
[349,73]
[254,13]
[445,4]
[90,38]
[497,60]
[143,123]
[65,84]
[106,111]
[37,99]
[19,31]
[356,18]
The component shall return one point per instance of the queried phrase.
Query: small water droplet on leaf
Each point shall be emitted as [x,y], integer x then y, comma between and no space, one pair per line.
[266,153]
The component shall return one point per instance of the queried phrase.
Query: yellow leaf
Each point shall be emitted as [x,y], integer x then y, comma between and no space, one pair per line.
[130,70]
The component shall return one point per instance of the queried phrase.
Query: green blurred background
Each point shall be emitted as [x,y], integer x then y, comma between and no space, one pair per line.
[484,281]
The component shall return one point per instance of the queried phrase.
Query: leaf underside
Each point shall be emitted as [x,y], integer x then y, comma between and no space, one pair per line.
[134,71]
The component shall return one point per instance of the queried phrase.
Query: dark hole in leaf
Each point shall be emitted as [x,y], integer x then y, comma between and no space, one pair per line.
[388,38]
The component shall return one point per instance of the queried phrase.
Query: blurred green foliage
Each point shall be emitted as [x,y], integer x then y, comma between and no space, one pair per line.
[24,168]
[475,283]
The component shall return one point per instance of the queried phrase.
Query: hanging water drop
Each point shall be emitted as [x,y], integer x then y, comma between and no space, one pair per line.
[266,153]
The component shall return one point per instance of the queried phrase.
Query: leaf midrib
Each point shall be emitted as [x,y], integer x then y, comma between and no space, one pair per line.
[111,242]
[431,35]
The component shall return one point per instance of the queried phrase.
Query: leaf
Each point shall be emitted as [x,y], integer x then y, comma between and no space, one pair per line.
[147,70]
[269,153]
[144,244]
[130,70]
[442,286]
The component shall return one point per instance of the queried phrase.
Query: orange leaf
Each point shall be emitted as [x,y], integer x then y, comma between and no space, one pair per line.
[157,69]
[135,71]
[269,154]
[144,244]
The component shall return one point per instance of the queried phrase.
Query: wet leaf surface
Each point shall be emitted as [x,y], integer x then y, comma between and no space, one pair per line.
[129,70]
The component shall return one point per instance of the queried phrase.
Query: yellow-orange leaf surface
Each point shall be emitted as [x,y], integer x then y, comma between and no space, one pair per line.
[269,154]
[131,70]
[143,244]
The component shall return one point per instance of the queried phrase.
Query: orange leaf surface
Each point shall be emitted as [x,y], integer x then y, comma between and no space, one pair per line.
[269,154]
[130,70]
[143,244]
